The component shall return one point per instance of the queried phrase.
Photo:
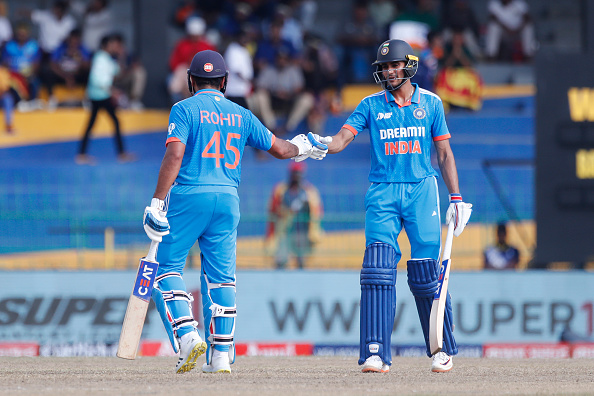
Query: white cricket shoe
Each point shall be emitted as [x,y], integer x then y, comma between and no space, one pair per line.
[218,364]
[374,364]
[442,362]
[190,347]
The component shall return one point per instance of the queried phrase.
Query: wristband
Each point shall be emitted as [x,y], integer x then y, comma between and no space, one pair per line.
[455,198]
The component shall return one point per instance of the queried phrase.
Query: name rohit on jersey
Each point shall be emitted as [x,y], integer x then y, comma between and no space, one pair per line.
[220,118]
[402,147]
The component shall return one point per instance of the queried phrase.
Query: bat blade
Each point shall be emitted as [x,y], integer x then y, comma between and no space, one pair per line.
[439,301]
[137,308]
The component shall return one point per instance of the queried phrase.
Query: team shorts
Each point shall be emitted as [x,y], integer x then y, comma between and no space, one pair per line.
[390,206]
[209,215]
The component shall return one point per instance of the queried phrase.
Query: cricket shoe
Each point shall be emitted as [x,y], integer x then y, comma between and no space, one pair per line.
[190,347]
[442,362]
[374,364]
[218,364]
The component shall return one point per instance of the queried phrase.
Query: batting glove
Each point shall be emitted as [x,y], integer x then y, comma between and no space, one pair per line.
[304,146]
[320,145]
[459,212]
[155,220]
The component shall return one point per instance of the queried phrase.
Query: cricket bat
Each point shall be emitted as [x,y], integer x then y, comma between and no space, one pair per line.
[441,294]
[138,304]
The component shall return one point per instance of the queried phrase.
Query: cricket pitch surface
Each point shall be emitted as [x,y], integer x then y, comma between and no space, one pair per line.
[309,375]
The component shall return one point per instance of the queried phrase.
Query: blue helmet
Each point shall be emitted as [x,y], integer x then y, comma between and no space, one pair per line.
[207,64]
[395,51]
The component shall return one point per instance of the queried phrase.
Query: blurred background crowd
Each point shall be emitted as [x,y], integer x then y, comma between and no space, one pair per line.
[281,59]
[299,65]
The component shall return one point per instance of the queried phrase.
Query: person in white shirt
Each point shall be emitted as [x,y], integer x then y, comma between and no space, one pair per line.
[5,27]
[509,19]
[241,69]
[54,25]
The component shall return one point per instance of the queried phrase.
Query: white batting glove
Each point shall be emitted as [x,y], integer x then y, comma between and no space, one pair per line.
[304,146]
[459,212]
[155,220]
[320,145]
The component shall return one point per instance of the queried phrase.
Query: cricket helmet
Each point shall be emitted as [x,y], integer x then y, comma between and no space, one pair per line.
[395,51]
[207,64]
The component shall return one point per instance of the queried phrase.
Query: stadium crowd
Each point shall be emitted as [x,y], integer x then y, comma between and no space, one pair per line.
[281,67]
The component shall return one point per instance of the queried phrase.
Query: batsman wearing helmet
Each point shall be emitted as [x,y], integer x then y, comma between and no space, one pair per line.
[403,121]
[196,200]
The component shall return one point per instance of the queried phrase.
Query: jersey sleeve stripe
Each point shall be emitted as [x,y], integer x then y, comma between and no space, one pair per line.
[442,137]
[350,128]
[273,140]
[172,139]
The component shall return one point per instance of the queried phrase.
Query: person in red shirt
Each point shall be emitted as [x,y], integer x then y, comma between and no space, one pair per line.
[182,54]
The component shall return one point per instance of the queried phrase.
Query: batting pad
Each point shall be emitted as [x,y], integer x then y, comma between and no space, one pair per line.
[378,302]
[422,281]
[218,308]
[174,305]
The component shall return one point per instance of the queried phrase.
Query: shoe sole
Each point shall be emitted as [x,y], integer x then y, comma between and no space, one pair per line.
[374,370]
[222,371]
[190,364]
[440,370]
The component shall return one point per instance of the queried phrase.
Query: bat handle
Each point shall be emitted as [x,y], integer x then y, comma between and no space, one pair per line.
[152,254]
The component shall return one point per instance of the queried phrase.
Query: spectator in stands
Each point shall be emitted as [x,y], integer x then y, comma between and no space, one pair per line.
[102,95]
[509,24]
[182,55]
[501,256]
[54,26]
[429,60]
[295,212]
[131,82]
[292,30]
[320,70]
[5,26]
[271,45]
[358,40]
[280,89]
[459,15]
[21,56]
[413,25]
[458,83]
[382,12]
[97,22]
[7,99]
[70,64]
[240,65]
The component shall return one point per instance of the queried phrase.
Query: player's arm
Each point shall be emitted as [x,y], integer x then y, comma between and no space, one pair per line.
[459,211]
[155,220]
[169,168]
[447,165]
[299,146]
[339,141]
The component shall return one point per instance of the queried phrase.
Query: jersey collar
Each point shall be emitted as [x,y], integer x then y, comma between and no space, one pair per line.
[209,91]
[415,98]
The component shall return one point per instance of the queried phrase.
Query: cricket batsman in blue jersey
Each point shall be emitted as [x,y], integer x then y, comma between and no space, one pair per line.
[196,200]
[403,121]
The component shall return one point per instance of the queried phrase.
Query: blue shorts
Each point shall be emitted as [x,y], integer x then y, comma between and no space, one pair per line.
[390,206]
[209,215]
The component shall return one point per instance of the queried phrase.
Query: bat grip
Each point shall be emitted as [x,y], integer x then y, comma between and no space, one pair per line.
[152,253]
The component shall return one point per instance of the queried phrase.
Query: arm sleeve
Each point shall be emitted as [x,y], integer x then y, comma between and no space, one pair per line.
[439,129]
[260,137]
[357,121]
[179,125]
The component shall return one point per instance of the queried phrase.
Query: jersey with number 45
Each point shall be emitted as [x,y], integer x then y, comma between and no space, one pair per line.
[215,132]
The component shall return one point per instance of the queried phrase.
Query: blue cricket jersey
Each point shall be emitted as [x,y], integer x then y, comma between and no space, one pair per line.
[401,137]
[215,132]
